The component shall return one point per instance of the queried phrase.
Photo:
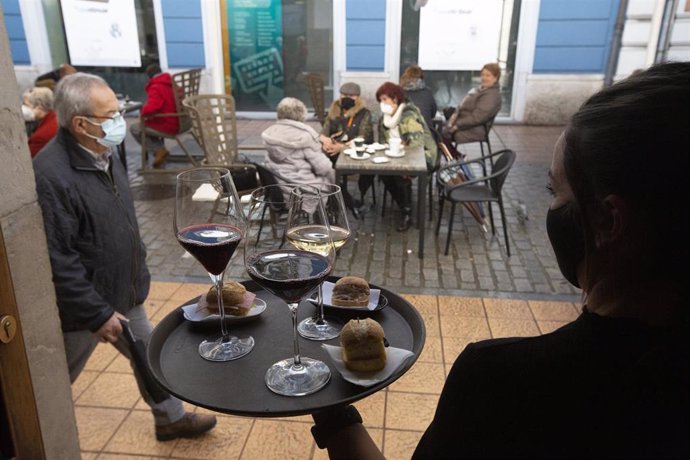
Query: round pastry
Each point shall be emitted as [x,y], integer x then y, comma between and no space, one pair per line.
[233,294]
[362,345]
[350,291]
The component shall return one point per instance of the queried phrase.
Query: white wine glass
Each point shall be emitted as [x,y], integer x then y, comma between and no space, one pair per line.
[209,223]
[289,272]
[320,327]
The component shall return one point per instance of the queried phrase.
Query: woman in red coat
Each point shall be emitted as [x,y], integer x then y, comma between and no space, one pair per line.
[160,99]
[40,101]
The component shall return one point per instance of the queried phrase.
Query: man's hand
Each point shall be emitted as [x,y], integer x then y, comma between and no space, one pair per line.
[110,330]
[334,149]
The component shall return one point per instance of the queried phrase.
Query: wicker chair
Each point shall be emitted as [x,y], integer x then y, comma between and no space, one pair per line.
[315,85]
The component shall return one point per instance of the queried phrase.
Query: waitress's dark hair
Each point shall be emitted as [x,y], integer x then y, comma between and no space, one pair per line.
[632,139]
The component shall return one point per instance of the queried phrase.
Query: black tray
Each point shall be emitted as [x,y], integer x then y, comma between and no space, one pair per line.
[237,387]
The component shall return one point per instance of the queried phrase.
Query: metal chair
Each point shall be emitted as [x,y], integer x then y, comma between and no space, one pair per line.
[185,84]
[480,189]
[213,123]
[315,85]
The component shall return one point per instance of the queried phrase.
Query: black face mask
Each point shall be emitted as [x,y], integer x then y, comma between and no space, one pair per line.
[567,239]
[347,103]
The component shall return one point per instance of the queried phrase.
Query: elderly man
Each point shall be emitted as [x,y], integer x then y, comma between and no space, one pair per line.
[347,119]
[96,253]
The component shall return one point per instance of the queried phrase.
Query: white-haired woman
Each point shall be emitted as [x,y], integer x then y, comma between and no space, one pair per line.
[40,102]
[294,149]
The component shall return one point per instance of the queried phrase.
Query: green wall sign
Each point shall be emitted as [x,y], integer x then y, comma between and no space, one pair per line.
[255,34]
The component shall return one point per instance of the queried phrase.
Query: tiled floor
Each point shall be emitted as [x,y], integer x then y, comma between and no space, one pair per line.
[114,422]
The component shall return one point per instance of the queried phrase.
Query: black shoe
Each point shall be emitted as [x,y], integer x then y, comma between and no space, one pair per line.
[405,222]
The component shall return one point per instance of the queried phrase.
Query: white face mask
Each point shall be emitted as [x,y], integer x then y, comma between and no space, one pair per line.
[115,130]
[28,113]
[386,108]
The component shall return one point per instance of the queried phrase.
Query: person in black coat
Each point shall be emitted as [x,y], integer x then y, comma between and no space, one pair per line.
[97,256]
[412,81]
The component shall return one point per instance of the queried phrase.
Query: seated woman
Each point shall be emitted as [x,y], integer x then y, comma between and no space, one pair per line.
[347,119]
[613,383]
[40,102]
[402,120]
[294,150]
[480,105]
[412,81]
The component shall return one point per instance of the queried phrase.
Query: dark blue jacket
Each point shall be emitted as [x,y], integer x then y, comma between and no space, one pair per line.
[96,253]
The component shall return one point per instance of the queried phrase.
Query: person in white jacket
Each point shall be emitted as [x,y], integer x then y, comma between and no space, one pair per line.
[294,149]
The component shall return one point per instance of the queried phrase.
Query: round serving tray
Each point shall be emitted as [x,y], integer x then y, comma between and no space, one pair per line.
[237,387]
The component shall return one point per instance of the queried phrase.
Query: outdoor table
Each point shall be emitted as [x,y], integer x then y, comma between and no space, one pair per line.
[412,164]
[237,387]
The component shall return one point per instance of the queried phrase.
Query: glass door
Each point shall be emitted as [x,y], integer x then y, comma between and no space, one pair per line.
[450,86]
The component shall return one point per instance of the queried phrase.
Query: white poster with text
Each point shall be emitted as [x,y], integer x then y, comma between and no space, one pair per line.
[459,34]
[101,32]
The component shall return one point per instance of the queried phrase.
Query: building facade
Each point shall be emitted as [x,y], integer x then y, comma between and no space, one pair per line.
[553,53]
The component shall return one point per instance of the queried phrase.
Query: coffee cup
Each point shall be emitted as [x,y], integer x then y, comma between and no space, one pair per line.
[394,146]
[359,141]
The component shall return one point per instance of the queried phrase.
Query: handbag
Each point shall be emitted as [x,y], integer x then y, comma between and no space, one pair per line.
[244,178]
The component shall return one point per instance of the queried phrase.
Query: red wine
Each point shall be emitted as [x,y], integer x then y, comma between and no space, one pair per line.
[211,244]
[288,273]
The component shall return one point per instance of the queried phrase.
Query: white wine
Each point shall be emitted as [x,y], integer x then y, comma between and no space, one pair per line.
[314,238]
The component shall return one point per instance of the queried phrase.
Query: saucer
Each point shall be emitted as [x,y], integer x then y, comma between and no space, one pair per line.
[365,156]
[400,154]
[350,151]
[379,160]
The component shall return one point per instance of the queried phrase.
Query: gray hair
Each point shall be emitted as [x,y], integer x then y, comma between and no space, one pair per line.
[40,97]
[73,96]
[291,109]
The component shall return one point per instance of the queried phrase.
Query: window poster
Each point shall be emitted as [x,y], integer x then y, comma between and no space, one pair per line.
[101,32]
[255,35]
[459,34]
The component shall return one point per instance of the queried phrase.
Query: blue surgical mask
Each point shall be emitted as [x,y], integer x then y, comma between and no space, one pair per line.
[115,130]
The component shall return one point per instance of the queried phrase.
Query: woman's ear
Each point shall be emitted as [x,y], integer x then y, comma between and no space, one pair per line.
[613,221]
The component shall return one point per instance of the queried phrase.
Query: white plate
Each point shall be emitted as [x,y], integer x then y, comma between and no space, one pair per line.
[364,156]
[194,314]
[349,151]
[377,146]
[374,294]
[395,357]
[378,160]
[400,154]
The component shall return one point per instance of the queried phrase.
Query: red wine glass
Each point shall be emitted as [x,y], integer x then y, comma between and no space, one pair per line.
[209,223]
[289,271]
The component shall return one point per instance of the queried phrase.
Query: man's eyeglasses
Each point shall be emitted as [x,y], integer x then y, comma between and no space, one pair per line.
[114,116]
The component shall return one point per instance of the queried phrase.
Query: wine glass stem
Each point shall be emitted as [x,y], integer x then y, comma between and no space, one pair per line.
[218,281]
[295,335]
[319,315]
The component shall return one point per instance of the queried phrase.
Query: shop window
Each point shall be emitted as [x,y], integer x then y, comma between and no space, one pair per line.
[450,86]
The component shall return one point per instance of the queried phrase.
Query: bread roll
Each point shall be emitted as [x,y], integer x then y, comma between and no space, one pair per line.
[350,291]
[362,345]
[233,295]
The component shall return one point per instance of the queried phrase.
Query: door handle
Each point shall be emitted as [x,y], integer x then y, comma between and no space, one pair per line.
[8,328]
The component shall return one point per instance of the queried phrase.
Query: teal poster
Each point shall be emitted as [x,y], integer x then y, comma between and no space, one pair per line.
[255,34]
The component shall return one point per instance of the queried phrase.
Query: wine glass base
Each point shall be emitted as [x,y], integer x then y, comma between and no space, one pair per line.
[287,379]
[219,351]
[328,329]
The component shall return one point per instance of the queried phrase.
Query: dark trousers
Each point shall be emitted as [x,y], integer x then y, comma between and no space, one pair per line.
[401,191]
